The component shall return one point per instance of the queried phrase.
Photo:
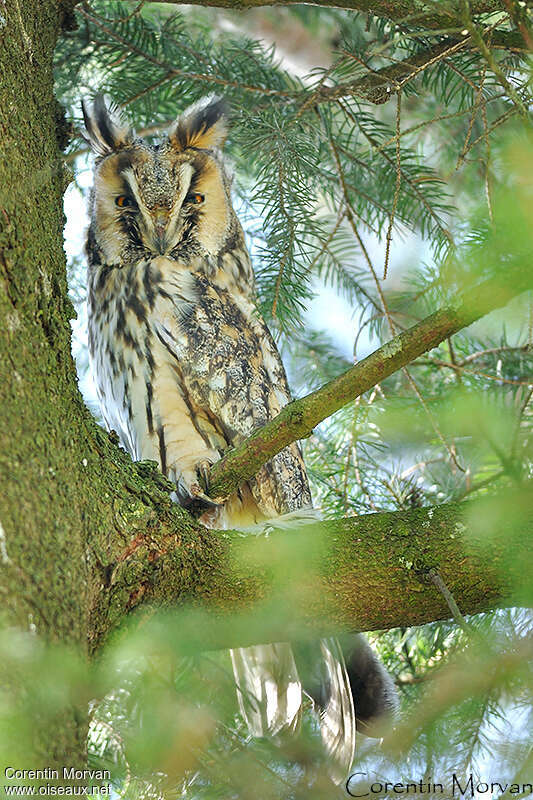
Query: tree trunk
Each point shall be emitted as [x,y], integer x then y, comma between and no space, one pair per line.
[43,502]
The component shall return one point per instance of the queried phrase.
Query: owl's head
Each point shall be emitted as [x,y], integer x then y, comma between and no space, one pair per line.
[171,198]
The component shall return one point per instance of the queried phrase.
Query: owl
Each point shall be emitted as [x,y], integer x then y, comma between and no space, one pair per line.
[185,368]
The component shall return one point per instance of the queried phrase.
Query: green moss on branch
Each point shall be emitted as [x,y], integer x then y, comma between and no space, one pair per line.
[366,573]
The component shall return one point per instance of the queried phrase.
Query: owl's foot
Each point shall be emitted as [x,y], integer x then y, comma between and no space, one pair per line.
[203,472]
[192,495]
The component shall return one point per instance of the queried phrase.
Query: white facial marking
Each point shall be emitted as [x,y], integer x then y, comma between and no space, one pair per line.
[173,228]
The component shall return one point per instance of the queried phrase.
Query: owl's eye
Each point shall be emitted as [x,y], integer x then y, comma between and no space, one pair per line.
[195,198]
[123,201]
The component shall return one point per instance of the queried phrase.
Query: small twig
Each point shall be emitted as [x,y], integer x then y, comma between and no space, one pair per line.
[147,89]
[487,160]
[453,359]
[357,471]
[479,95]
[397,187]
[475,487]
[487,54]
[432,121]
[435,578]
[313,97]
[461,74]
[285,256]
[492,351]
[412,185]
[127,18]
[497,122]
[325,246]
[460,368]
[522,410]
[450,448]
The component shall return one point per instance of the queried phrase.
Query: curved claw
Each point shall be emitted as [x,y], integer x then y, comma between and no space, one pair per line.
[203,472]
[192,496]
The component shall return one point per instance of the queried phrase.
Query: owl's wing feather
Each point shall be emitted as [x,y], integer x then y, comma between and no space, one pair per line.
[268,688]
[230,370]
[337,714]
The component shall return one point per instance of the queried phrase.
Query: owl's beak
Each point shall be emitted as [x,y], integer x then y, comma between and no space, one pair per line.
[160,218]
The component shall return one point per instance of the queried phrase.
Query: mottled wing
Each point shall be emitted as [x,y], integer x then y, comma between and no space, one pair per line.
[281,486]
[230,367]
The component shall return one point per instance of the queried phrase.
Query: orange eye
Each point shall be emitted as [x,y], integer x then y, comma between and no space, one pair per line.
[195,197]
[123,201]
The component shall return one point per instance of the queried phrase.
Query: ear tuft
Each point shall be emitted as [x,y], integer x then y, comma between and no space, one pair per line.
[203,125]
[107,130]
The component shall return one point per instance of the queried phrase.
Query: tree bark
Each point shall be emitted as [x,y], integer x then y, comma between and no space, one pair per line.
[366,573]
[43,503]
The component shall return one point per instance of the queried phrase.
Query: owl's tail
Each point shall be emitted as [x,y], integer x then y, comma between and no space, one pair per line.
[270,690]
[348,686]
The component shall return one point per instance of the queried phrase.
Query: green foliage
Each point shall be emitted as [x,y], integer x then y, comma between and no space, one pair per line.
[324,182]
[156,62]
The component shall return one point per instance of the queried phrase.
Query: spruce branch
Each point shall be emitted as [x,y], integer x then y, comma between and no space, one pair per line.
[377,86]
[297,420]
[171,71]
[486,52]
[457,682]
[380,85]
[384,304]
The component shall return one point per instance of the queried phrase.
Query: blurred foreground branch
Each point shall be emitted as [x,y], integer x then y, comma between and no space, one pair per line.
[431,15]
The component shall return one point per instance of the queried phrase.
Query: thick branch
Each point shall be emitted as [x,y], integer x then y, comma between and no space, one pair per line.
[413,12]
[297,420]
[369,572]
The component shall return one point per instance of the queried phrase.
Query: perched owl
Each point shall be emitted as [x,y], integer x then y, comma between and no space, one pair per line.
[185,368]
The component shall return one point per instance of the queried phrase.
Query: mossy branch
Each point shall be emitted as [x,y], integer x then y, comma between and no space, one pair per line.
[297,420]
[369,572]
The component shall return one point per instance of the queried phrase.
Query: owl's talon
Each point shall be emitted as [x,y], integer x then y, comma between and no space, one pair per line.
[197,493]
[192,496]
[203,471]
[199,504]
